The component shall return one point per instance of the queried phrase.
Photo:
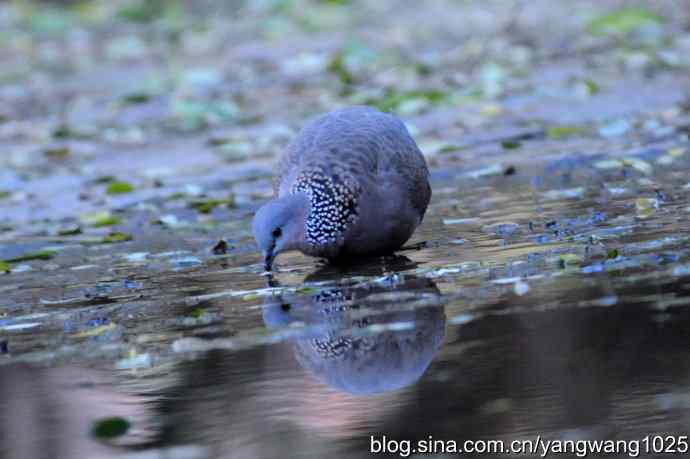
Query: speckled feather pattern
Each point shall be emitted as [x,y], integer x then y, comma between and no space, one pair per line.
[335,302]
[336,160]
[333,200]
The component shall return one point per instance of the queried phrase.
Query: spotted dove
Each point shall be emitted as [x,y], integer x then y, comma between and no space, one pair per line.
[353,182]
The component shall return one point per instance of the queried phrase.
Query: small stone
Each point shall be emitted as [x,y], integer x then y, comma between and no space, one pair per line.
[615,129]
[186,262]
[568,193]
[460,221]
[503,229]
[136,256]
[22,269]
[221,248]
[169,220]
[461,319]
[135,361]
[520,288]
[494,169]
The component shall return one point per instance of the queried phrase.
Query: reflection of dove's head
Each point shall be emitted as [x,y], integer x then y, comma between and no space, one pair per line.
[366,340]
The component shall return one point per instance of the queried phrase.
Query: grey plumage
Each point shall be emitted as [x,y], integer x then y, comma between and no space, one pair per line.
[352,182]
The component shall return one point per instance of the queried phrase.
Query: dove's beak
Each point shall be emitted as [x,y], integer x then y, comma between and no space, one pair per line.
[268,260]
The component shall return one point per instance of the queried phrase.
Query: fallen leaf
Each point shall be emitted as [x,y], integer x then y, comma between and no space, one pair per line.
[559,132]
[623,21]
[205,206]
[107,428]
[100,219]
[119,188]
[117,236]
[57,152]
[96,331]
[40,255]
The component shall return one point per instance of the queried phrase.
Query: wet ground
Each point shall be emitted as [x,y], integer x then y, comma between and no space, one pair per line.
[546,293]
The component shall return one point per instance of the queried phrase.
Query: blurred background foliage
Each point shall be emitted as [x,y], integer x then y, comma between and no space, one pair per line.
[190,65]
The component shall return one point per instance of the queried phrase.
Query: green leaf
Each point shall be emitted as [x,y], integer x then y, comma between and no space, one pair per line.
[623,21]
[559,132]
[197,313]
[69,231]
[423,69]
[117,236]
[592,87]
[4,267]
[450,148]
[57,152]
[40,255]
[107,428]
[206,206]
[136,98]
[144,11]
[646,207]
[393,101]
[510,144]
[338,66]
[96,331]
[109,220]
[100,219]
[62,132]
[104,179]
[119,188]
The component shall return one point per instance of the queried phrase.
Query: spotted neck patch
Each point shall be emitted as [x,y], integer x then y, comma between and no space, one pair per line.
[333,205]
[334,346]
[335,308]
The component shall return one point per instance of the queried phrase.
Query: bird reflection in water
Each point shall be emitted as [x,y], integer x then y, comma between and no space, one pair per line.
[364,338]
